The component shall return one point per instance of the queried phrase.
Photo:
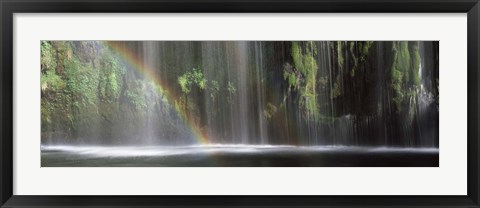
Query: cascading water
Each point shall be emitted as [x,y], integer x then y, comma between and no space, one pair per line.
[241,94]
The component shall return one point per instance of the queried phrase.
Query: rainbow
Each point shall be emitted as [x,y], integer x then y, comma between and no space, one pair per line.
[152,75]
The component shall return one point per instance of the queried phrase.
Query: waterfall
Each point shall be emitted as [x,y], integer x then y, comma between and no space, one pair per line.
[305,93]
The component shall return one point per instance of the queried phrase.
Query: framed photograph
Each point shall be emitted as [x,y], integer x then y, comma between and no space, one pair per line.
[267,103]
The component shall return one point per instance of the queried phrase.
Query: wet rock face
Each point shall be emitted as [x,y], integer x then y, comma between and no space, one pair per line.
[364,93]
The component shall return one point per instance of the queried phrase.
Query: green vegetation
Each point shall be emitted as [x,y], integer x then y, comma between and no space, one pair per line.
[354,59]
[305,65]
[48,56]
[290,76]
[340,54]
[82,87]
[215,88]
[270,111]
[405,74]
[94,89]
[231,88]
[193,78]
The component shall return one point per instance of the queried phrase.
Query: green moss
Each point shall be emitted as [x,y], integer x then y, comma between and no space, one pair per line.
[359,52]
[297,57]
[307,66]
[354,57]
[269,111]
[366,48]
[192,78]
[48,56]
[403,61]
[397,86]
[336,91]
[290,76]
[405,74]
[82,86]
[292,79]
[110,76]
[136,95]
[51,81]
[113,84]
[231,88]
[415,56]
[184,85]
[340,54]
[82,81]
[214,89]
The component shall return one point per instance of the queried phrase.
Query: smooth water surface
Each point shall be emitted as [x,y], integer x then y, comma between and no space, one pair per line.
[236,156]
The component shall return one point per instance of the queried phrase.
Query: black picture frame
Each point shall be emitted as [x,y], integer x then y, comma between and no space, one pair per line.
[9,7]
